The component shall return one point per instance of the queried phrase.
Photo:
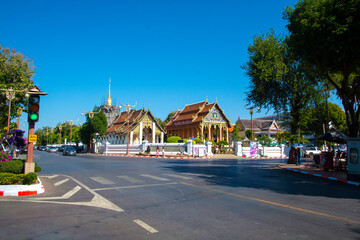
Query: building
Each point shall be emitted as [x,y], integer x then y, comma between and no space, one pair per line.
[260,127]
[203,120]
[110,111]
[135,125]
[132,124]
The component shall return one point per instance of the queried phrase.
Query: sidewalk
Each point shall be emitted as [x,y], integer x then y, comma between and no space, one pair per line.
[308,169]
[22,190]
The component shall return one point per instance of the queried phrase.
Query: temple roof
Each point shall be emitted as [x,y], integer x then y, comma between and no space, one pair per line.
[121,126]
[192,115]
[258,125]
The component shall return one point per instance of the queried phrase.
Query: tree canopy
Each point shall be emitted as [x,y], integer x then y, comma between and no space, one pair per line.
[325,34]
[16,71]
[280,81]
[96,124]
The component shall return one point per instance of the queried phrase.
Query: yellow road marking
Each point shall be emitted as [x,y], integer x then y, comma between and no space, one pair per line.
[276,204]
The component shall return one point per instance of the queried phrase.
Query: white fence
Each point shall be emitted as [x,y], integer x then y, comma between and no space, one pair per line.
[196,150]
[262,151]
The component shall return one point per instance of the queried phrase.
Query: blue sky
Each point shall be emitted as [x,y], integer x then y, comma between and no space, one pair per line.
[161,54]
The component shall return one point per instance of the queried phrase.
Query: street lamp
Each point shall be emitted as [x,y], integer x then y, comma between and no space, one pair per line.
[60,127]
[71,122]
[251,108]
[19,112]
[52,130]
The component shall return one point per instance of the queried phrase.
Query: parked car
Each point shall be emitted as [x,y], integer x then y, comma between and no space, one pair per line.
[311,151]
[53,149]
[42,148]
[69,151]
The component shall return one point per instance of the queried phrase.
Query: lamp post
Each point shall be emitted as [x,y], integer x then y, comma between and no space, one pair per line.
[60,127]
[19,112]
[52,130]
[71,122]
[10,95]
[251,108]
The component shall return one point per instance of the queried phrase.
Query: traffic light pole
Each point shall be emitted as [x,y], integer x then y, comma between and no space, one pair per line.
[30,165]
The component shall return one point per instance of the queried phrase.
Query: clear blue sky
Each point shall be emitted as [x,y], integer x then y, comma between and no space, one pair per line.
[158,53]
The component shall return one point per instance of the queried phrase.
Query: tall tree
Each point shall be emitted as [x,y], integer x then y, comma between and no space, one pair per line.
[15,72]
[96,124]
[279,81]
[325,33]
[318,118]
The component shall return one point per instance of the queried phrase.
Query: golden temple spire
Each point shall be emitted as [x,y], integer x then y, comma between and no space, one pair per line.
[108,102]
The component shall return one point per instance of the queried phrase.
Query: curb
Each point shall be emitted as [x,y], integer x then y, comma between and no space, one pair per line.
[124,155]
[322,176]
[22,190]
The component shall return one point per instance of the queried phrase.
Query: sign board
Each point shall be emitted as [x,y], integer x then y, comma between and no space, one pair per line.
[32,138]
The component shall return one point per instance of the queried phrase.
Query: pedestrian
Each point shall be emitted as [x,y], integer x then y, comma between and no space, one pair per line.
[157,151]
[297,156]
[148,150]
[163,152]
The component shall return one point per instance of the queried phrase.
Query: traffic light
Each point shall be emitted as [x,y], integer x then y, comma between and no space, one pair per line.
[33,108]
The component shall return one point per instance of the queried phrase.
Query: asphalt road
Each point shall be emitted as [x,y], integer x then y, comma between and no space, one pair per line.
[96,197]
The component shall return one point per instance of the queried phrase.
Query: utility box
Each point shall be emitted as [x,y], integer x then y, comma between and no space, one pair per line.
[353,162]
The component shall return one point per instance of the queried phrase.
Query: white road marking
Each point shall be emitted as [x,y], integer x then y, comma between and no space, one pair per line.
[50,177]
[137,186]
[102,180]
[67,195]
[61,182]
[177,176]
[98,200]
[154,177]
[130,179]
[145,226]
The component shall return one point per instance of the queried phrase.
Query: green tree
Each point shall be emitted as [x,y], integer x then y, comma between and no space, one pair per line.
[325,33]
[236,133]
[280,81]
[318,119]
[96,124]
[169,117]
[282,137]
[248,133]
[15,72]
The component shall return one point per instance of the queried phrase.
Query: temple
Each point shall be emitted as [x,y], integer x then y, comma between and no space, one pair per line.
[203,120]
[131,126]
[138,125]
[260,127]
[110,111]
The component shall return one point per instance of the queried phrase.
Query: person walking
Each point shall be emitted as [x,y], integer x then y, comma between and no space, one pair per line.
[157,151]
[298,156]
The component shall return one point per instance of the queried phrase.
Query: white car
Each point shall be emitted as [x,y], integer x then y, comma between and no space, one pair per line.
[311,151]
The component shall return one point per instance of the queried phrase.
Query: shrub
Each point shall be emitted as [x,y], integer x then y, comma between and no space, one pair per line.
[198,140]
[18,179]
[14,166]
[173,139]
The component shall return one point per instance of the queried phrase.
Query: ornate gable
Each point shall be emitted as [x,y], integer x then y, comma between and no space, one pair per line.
[214,116]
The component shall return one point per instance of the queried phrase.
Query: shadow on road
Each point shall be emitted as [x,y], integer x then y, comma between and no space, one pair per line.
[263,174]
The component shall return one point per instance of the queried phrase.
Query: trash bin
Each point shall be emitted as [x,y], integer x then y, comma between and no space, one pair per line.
[327,159]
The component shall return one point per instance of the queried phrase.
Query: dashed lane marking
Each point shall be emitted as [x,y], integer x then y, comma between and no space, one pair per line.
[136,186]
[61,182]
[130,179]
[145,226]
[102,180]
[155,177]
[177,176]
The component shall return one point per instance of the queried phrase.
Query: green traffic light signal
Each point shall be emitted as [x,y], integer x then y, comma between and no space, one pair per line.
[33,108]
